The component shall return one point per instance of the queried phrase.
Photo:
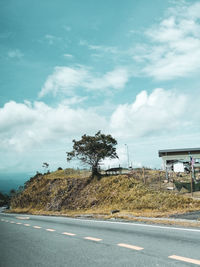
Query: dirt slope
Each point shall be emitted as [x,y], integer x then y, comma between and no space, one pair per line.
[58,193]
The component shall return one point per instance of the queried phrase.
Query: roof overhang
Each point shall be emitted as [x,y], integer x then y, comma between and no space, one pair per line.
[181,151]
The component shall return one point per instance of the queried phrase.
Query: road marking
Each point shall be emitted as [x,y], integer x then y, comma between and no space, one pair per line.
[36,227]
[70,234]
[26,224]
[129,246]
[12,222]
[2,220]
[23,218]
[18,223]
[50,230]
[139,225]
[175,257]
[92,238]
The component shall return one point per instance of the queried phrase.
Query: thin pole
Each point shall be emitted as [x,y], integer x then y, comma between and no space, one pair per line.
[160,180]
[191,184]
[144,178]
[127,155]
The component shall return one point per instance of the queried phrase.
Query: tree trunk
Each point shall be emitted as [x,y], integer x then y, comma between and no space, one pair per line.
[95,172]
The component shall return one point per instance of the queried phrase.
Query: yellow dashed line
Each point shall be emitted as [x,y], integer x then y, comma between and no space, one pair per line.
[175,257]
[129,246]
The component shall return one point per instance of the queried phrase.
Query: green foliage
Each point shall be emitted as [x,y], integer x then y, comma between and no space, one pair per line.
[4,199]
[92,150]
[12,192]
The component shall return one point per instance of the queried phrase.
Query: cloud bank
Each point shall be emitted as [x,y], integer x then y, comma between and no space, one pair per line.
[173,48]
[149,115]
[26,125]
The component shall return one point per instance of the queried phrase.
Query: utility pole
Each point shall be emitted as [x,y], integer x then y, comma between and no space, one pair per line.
[192,173]
[191,184]
[127,155]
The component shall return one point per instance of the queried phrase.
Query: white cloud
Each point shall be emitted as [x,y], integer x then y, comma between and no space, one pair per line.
[24,126]
[15,54]
[64,79]
[100,48]
[68,55]
[153,114]
[116,79]
[67,79]
[51,39]
[73,100]
[175,44]
[31,133]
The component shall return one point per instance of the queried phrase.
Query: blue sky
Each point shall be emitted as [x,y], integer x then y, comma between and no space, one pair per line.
[128,68]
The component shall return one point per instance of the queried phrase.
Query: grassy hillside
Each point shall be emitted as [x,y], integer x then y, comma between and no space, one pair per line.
[70,191]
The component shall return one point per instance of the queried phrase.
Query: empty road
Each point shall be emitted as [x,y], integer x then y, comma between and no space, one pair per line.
[27,240]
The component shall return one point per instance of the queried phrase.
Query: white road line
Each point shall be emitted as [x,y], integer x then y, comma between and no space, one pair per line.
[23,218]
[92,238]
[12,222]
[26,224]
[70,234]
[140,225]
[175,257]
[50,230]
[129,246]
[18,223]
[36,227]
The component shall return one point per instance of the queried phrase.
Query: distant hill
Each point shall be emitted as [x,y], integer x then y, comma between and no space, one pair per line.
[71,191]
[4,199]
[10,181]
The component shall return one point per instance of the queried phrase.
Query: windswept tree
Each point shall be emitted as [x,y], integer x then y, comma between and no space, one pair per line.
[92,150]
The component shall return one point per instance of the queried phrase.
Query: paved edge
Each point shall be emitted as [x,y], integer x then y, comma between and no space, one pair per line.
[122,218]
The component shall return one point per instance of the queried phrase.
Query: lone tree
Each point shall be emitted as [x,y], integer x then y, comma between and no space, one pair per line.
[92,150]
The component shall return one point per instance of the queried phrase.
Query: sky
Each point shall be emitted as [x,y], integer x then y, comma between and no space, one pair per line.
[71,67]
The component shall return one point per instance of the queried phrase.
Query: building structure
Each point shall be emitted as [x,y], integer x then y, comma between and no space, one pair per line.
[179,160]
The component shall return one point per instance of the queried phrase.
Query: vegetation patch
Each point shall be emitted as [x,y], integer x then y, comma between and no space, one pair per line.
[70,192]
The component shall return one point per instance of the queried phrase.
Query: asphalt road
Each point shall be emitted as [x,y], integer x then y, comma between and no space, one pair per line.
[27,240]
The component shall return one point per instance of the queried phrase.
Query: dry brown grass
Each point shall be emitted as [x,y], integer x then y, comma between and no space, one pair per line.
[68,173]
[69,193]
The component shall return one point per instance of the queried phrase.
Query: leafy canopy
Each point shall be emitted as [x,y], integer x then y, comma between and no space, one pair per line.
[93,149]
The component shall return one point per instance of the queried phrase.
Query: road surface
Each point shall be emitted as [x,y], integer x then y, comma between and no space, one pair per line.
[27,240]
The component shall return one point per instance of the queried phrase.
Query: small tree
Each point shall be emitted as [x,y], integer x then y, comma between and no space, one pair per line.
[92,150]
[45,165]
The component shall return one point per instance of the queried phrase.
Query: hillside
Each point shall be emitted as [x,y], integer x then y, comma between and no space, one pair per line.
[4,199]
[69,192]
